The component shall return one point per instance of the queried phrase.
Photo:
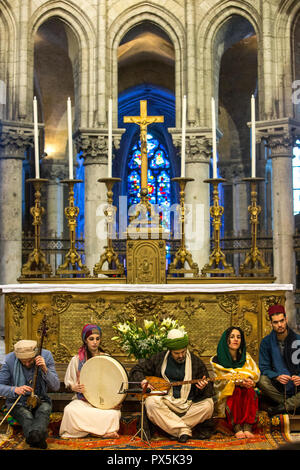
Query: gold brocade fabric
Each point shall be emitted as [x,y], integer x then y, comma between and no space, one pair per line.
[224,388]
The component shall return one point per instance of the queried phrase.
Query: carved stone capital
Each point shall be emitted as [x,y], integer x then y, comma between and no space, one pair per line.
[54,170]
[15,138]
[94,144]
[232,170]
[198,144]
[279,135]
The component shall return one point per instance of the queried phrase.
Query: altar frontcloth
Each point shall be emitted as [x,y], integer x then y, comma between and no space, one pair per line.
[205,310]
[39,288]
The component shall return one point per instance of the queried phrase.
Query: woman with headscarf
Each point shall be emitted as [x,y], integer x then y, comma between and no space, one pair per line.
[237,400]
[80,418]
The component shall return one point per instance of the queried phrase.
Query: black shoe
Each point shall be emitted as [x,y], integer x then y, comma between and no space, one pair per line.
[276,410]
[204,434]
[183,438]
[42,444]
[33,438]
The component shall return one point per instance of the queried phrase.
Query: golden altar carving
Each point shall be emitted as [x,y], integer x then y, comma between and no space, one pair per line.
[146,261]
[205,315]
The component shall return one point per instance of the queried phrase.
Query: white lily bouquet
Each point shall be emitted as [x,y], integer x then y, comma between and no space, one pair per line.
[142,341]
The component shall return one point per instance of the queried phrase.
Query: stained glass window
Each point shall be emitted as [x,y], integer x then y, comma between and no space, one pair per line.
[296,179]
[159,180]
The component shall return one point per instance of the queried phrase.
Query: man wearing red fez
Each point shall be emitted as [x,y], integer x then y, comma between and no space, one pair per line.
[279,360]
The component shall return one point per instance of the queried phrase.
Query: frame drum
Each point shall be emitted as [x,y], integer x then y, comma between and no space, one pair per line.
[102,377]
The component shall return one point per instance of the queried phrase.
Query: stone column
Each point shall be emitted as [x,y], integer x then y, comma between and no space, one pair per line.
[198,151]
[233,171]
[14,140]
[55,171]
[279,136]
[191,61]
[93,144]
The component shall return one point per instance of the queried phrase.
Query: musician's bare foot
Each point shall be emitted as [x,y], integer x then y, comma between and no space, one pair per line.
[240,435]
[111,435]
[248,434]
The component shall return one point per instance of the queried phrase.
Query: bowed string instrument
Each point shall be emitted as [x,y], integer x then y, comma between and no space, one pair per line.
[33,400]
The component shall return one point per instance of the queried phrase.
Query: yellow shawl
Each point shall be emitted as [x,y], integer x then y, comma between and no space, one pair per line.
[224,388]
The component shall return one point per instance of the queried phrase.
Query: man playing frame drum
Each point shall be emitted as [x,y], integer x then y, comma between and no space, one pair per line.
[95,377]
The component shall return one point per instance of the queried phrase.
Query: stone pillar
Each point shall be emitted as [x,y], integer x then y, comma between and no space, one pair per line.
[198,151]
[280,136]
[237,208]
[191,61]
[14,140]
[55,171]
[93,143]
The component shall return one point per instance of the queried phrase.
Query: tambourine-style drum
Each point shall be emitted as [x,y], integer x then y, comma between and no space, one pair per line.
[103,377]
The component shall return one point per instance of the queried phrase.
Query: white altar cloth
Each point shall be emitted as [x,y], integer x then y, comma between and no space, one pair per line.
[40,288]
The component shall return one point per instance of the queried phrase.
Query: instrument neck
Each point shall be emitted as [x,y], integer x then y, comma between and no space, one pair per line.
[36,367]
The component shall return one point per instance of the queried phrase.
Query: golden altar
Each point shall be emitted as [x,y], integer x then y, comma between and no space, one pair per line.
[205,309]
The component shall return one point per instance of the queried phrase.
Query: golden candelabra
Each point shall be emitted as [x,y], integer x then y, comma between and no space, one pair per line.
[36,264]
[254,258]
[183,255]
[72,263]
[109,255]
[217,261]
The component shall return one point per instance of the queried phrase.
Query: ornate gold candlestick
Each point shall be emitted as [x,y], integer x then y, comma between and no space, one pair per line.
[183,255]
[217,257]
[72,258]
[254,257]
[37,264]
[109,255]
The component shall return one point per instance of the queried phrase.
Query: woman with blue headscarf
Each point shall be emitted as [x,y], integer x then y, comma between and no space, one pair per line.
[80,418]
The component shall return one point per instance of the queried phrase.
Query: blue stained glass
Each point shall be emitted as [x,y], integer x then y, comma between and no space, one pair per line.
[159,160]
[159,186]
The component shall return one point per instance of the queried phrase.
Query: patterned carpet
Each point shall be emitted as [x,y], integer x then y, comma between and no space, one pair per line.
[269,435]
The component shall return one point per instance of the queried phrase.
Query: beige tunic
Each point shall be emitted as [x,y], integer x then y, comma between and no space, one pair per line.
[80,418]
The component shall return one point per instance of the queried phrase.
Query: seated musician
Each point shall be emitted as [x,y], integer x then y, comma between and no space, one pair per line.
[16,380]
[185,406]
[237,400]
[80,418]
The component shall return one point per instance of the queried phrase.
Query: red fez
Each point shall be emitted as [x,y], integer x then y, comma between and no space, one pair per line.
[274,309]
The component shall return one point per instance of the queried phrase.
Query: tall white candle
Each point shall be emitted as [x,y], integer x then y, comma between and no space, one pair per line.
[214,136]
[183,129]
[70,138]
[109,154]
[36,138]
[253,138]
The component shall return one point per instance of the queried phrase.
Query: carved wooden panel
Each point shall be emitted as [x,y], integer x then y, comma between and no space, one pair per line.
[204,315]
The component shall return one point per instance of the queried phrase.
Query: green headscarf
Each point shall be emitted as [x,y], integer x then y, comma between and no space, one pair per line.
[223,354]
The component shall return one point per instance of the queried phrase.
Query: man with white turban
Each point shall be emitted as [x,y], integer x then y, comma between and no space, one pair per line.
[186,405]
[16,380]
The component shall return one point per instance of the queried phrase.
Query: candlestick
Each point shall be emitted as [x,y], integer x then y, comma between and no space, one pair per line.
[253,143]
[183,127]
[37,264]
[114,266]
[70,140]
[36,139]
[214,137]
[72,264]
[217,261]
[109,156]
[254,257]
[183,255]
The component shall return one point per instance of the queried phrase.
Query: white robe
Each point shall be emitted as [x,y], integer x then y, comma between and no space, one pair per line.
[80,418]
